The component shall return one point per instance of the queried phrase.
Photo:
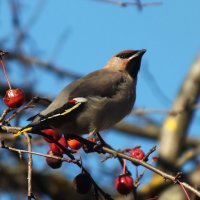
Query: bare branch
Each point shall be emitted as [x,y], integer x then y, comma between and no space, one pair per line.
[188,155]
[174,129]
[29,178]
[59,44]
[20,151]
[143,111]
[150,167]
[40,5]
[155,87]
[5,112]
[139,162]
[124,156]
[25,59]
[149,131]
[139,4]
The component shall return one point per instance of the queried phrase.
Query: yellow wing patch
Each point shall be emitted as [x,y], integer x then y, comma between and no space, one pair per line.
[70,109]
[23,131]
[64,113]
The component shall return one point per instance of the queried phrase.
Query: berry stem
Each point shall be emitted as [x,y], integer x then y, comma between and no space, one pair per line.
[5,74]
[184,190]
[124,167]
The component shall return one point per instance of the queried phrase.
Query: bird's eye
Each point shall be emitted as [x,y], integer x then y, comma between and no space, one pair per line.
[122,56]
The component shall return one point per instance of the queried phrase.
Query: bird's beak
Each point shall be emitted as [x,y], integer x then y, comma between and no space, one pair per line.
[138,53]
[142,52]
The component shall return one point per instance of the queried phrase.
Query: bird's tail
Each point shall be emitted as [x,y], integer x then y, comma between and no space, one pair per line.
[23,130]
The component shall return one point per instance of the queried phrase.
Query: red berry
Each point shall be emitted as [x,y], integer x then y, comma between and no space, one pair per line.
[53,162]
[91,139]
[155,158]
[14,98]
[52,133]
[124,184]
[56,149]
[137,153]
[74,144]
[82,183]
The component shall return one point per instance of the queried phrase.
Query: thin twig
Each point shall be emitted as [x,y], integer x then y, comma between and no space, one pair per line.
[139,162]
[152,168]
[30,104]
[20,151]
[119,150]
[59,44]
[139,177]
[5,73]
[184,190]
[9,129]
[29,178]
[149,153]
[188,155]
[144,111]
[155,86]
[37,11]
[25,59]
[121,155]
[5,112]
[138,4]
[68,153]
[15,114]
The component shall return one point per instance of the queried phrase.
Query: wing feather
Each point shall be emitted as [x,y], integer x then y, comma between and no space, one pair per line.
[101,83]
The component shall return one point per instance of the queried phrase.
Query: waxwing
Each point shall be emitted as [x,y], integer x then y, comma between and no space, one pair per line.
[94,102]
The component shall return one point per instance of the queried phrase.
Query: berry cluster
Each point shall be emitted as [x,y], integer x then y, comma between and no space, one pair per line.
[82,182]
[124,183]
[50,136]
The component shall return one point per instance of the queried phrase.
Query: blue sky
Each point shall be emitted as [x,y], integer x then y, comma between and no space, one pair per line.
[96,31]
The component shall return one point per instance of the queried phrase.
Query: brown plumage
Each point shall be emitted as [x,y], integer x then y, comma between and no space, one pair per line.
[96,101]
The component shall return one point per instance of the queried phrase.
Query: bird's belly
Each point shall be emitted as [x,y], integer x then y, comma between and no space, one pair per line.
[104,115]
[100,113]
[96,118]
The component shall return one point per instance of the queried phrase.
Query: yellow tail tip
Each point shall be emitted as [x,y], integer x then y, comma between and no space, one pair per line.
[22,131]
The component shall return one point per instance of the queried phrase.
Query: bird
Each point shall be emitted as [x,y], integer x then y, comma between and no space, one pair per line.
[94,102]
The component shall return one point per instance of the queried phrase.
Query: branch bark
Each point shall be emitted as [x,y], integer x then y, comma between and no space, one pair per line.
[29,178]
[174,128]
[149,131]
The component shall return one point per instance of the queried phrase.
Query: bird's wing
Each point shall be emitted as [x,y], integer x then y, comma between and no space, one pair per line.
[41,121]
[72,106]
[101,83]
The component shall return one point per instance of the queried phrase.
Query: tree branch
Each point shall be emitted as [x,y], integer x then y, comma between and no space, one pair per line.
[150,131]
[174,128]
[25,59]
[29,178]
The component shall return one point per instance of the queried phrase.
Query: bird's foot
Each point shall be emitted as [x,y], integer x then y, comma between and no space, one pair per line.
[95,146]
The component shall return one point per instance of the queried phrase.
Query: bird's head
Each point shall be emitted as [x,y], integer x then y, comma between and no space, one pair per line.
[128,60]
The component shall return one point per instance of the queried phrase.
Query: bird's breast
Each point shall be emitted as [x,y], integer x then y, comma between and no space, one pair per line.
[103,112]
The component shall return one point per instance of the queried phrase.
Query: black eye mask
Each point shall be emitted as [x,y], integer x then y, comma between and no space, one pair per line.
[126,54]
